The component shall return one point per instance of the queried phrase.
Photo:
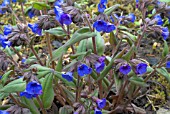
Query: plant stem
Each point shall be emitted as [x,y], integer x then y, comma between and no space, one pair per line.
[50,49]
[13,13]
[15,100]
[77,90]
[22,8]
[68,35]
[41,105]
[36,55]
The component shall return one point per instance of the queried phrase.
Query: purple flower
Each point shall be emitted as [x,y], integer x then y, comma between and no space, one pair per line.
[158,19]
[68,76]
[125,69]
[110,27]
[83,70]
[7,29]
[65,19]
[3,112]
[141,68]
[100,25]
[101,103]
[34,88]
[168,64]
[97,111]
[101,7]
[131,17]
[35,29]
[165,33]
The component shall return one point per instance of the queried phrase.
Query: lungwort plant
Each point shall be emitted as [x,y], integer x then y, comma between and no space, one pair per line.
[35,79]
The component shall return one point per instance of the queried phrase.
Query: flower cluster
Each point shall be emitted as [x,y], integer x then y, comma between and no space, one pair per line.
[33,89]
[140,69]
[61,17]
[101,25]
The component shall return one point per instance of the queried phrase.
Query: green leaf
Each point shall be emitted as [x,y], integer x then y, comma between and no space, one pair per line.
[5,77]
[56,31]
[109,10]
[133,37]
[164,73]
[164,0]
[100,44]
[3,95]
[82,47]
[48,92]
[40,5]
[30,104]
[138,81]
[165,50]
[59,65]
[14,86]
[79,35]
[129,54]
[69,94]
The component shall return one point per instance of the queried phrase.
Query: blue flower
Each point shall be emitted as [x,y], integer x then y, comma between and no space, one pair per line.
[0,77]
[165,33]
[58,3]
[83,70]
[131,17]
[35,29]
[97,111]
[110,27]
[100,64]
[103,1]
[23,60]
[4,41]
[141,68]
[99,67]
[101,7]
[1,6]
[158,19]
[100,25]
[3,112]
[31,14]
[65,19]
[7,29]
[101,103]
[27,95]
[58,12]
[168,64]
[112,19]
[34,88]
[5,44]
[68,76]
[125,69]
[6,2]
